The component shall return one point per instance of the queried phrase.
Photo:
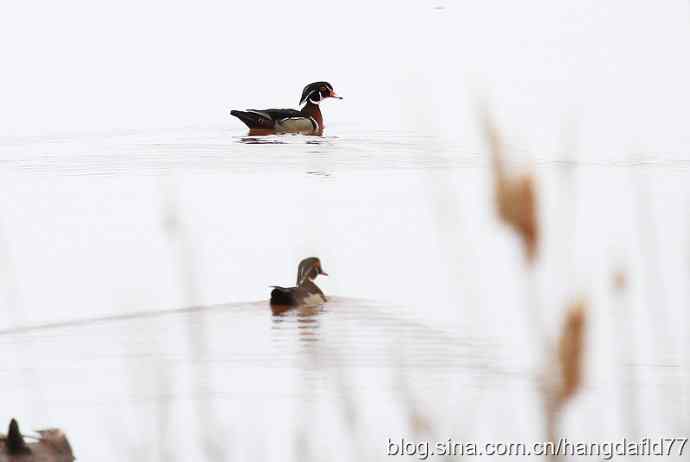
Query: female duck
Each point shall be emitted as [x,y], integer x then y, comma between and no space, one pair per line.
[306,120]
[306,292]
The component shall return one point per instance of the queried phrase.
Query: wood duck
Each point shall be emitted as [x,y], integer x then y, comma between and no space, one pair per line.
[306,292]
[49,446]
[306,120]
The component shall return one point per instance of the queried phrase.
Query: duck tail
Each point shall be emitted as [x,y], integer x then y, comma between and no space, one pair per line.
[251,119]
[15,441]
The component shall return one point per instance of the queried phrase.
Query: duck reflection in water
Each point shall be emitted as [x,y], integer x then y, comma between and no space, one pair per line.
[270,137]
[305,319]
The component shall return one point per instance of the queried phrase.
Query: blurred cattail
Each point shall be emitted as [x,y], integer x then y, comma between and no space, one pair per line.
[620,281]
[564,379]
[570,351]
[515,196]
[419,423]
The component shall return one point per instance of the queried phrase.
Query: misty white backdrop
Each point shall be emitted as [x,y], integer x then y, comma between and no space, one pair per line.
[124,188]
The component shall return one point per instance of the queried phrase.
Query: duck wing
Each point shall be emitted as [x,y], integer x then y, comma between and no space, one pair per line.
[276,114]
[283,296]
[271,118]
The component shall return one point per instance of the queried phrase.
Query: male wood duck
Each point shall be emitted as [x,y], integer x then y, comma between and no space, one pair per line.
[49,446]
[306,292]
[306,120]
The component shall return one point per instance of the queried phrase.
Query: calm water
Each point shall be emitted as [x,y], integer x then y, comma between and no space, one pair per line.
[135,271]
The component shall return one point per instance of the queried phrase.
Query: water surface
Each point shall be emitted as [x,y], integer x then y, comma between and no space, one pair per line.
[136,268]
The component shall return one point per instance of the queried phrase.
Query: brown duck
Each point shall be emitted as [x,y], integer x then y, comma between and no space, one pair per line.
[306,292]
[49,446]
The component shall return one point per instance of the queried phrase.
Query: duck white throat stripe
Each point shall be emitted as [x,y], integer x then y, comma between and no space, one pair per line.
[309,95]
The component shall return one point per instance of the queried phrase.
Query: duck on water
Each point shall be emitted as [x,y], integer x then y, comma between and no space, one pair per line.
[49,446]
[308,120]
[306,292]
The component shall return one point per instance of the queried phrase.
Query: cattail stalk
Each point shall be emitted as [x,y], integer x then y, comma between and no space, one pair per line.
[564,379]
[515,196]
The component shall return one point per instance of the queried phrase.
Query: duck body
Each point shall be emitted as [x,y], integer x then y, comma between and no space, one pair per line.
[307,120]
[306,292]
[297,296]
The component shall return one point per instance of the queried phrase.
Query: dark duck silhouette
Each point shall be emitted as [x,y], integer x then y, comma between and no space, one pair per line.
[49,446]
[306,292]
[306,120]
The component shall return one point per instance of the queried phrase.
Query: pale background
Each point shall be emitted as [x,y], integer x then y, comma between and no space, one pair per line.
[125,188]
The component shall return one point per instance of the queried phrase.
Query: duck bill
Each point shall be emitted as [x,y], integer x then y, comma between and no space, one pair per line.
[323,273]
[333,95]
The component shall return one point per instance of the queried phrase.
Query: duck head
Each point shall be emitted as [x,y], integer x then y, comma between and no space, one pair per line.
[308,270]
[317,92]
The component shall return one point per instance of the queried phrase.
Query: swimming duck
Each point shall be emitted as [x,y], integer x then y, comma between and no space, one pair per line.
[306,292]
[306,120]
[50,446]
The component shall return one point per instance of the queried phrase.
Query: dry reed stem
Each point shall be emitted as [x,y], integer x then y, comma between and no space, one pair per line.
[620,280]
[564,380]
[515,196]
[570,351]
